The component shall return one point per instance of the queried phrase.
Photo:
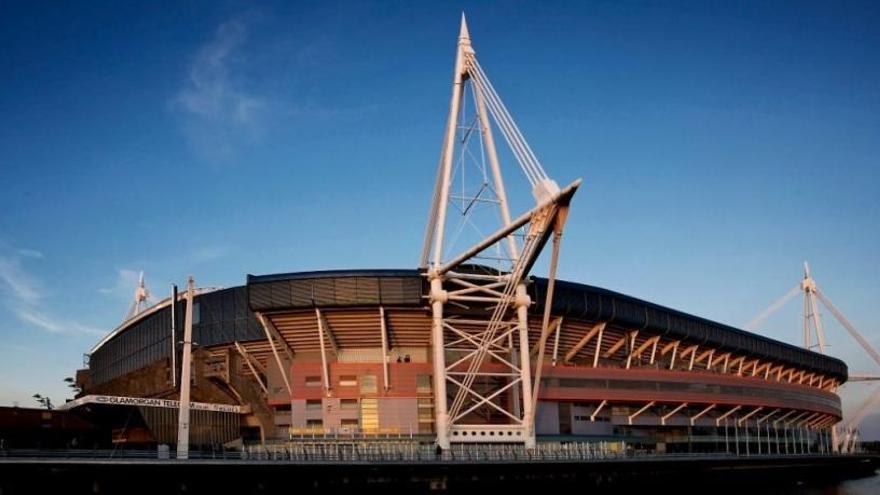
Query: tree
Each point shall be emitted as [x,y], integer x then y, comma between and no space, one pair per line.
[44,401]
[73,385]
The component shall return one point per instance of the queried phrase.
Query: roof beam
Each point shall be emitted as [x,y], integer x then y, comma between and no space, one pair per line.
[267,325]
[703,356]
[598,327]
[749,415]
[596,412]
[725,415]
[671,413]
[634,415]
[722,357]
[704,411]
[781,418]
[253,366]
[542,340]
[690,350]
[738,361]
[668,347]
[763,368]
[273,333]
[324,327]
[674,352]
[632,344]
[616,347]
[647,343]
[598,347]
[768,415]
[325,368]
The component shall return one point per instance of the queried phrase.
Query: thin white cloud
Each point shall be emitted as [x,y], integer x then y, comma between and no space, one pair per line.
[21,293]
[218,113]
[51,325]
[17,283]
[30,253]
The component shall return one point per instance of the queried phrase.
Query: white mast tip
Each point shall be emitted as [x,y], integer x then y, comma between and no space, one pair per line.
[463,33]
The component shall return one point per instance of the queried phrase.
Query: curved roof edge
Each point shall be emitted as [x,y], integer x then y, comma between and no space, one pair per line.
[164,303]
[358,272]
[341,288]
[596,303]
[405,286]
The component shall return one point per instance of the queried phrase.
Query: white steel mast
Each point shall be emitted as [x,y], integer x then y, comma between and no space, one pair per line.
[185,375]
[474,402]
[141,299]
[812,325]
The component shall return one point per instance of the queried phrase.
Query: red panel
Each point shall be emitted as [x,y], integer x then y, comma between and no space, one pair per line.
[811,396]
[401,375]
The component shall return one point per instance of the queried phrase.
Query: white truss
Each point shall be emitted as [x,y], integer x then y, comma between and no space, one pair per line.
[812,326]
[141,301]
[482,370]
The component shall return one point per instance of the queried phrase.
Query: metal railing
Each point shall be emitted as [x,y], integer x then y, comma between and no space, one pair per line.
[391,452]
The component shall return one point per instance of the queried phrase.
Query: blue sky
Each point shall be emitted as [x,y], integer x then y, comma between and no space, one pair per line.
[721,145]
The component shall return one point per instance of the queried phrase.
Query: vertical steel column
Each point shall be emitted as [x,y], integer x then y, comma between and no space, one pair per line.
[325,370]
[464,43]
[516,403]
[441,417]
[556,344]
[726,437]
[736,435]
[183,413]
[174,335]
[522,313]
[384,330]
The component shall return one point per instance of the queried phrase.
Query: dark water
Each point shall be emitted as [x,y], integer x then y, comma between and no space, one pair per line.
[861,486]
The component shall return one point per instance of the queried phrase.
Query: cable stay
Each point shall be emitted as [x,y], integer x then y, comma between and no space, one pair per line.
[493,272]
[812,327]
[142,300]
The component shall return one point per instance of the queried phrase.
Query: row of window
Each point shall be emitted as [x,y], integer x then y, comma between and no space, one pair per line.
[691,387]
[368,384]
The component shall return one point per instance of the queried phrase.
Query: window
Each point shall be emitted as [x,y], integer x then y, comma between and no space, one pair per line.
[599,419]
[423,384]
[350,422]
[426,415]
[426,410]
[313,381]
[313,405]
[348,404]
[368,384]
[315,424]
[348,381]
[282,408]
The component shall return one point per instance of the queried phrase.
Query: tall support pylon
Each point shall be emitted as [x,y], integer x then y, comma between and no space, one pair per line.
[141,299]
[482,371]
[812,318]
[812,325]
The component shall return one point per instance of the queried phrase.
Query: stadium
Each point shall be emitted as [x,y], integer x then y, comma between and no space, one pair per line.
[339,353]
[460,352]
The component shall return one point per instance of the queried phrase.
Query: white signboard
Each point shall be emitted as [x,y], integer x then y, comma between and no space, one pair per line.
[115,400]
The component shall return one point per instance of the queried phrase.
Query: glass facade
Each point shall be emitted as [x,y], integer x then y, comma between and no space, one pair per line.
[224,317]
